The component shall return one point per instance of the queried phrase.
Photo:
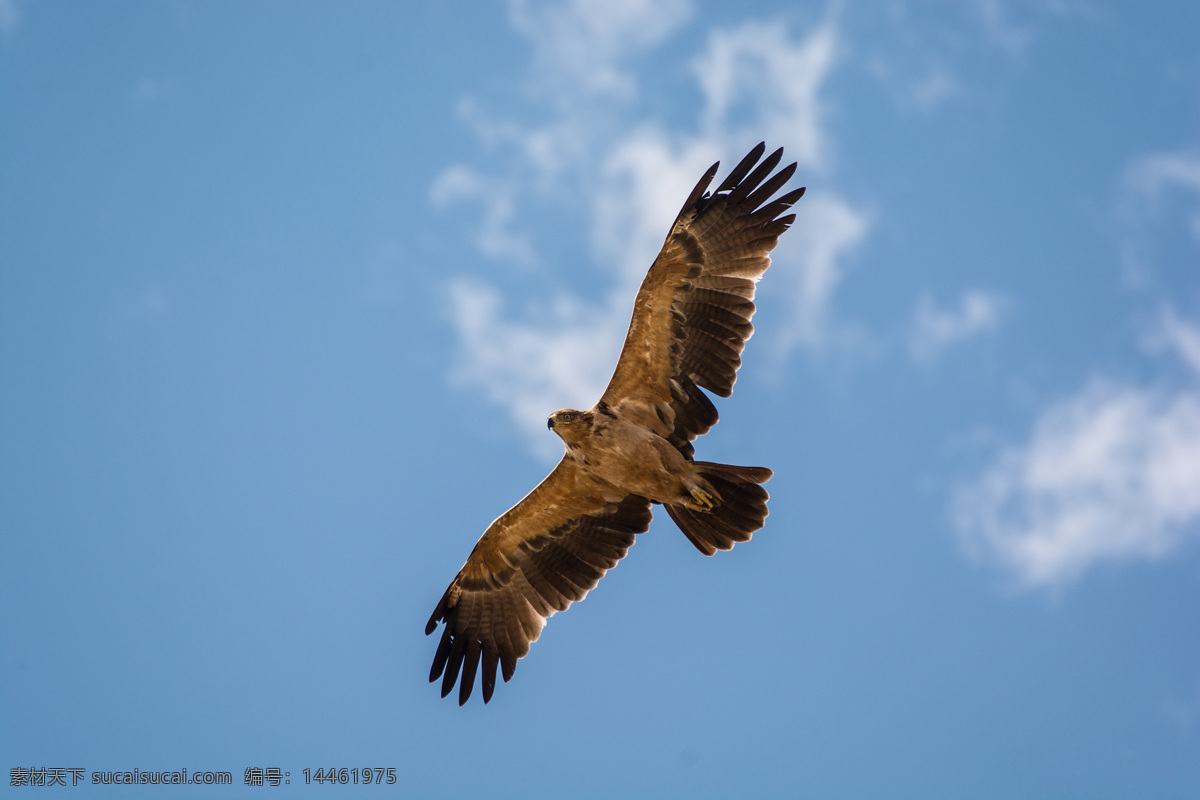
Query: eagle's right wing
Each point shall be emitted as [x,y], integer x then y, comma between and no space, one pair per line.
[544,553]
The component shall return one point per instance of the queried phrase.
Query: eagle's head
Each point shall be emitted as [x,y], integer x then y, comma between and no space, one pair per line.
[572,426]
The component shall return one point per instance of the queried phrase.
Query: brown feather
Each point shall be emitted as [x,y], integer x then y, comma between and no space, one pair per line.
[729,242]
[743,167]
[738,193]
[742,510]
[546,552]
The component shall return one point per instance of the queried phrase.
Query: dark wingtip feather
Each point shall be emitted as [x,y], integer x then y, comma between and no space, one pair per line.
[699,189]
[773,209]
[470,665]
[744,187]
[439,614]
[439,657]
[764,192]
[491,660]
[739,172]
[453,664]
[769,212]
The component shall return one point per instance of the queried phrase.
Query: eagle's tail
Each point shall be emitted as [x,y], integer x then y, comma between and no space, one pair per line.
[741,510]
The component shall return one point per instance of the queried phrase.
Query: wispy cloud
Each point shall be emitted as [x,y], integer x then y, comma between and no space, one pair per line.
[1182,337]
[924,88]
[10,15]
[533,368]
[581,46]
[1161,191]
[150,90]
[1109,474]
[759,71]
[758,77]
[934,329]
[934,53]
[1001,30]
[495,237]
[1151,173]
[933,88]
[824,234]
[756,80]
[646,177]
[1155,177]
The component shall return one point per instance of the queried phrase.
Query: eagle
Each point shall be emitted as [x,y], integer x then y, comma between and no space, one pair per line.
[691,320]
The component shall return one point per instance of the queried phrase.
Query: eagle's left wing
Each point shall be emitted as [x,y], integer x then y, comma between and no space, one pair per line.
[546,552]
[691,318]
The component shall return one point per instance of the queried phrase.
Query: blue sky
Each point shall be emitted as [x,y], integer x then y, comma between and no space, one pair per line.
[287,291]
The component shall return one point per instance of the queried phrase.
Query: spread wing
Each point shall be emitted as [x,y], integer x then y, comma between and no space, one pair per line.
[544,553]
[691,318]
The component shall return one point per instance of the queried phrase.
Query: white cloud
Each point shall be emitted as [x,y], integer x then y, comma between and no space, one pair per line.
[1152,177]
[825,231]
[999,27]
[934,329]
[757,78]
[1152,173]
[1110,474]
[1182,337]
[758,68]
[10,15]
[563,361]
[495,237]
[579,46]
[924,86]
[645,180]
[934,52]
[936,86]
[1153,185]
[1015,38]
[757,81]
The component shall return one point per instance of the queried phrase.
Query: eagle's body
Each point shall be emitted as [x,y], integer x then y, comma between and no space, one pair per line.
[625,457]
[691,320]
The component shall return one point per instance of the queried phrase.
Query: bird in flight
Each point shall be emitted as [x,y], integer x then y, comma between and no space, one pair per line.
[691,320]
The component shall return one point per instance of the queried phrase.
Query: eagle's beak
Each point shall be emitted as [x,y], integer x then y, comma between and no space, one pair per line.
[550,423]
